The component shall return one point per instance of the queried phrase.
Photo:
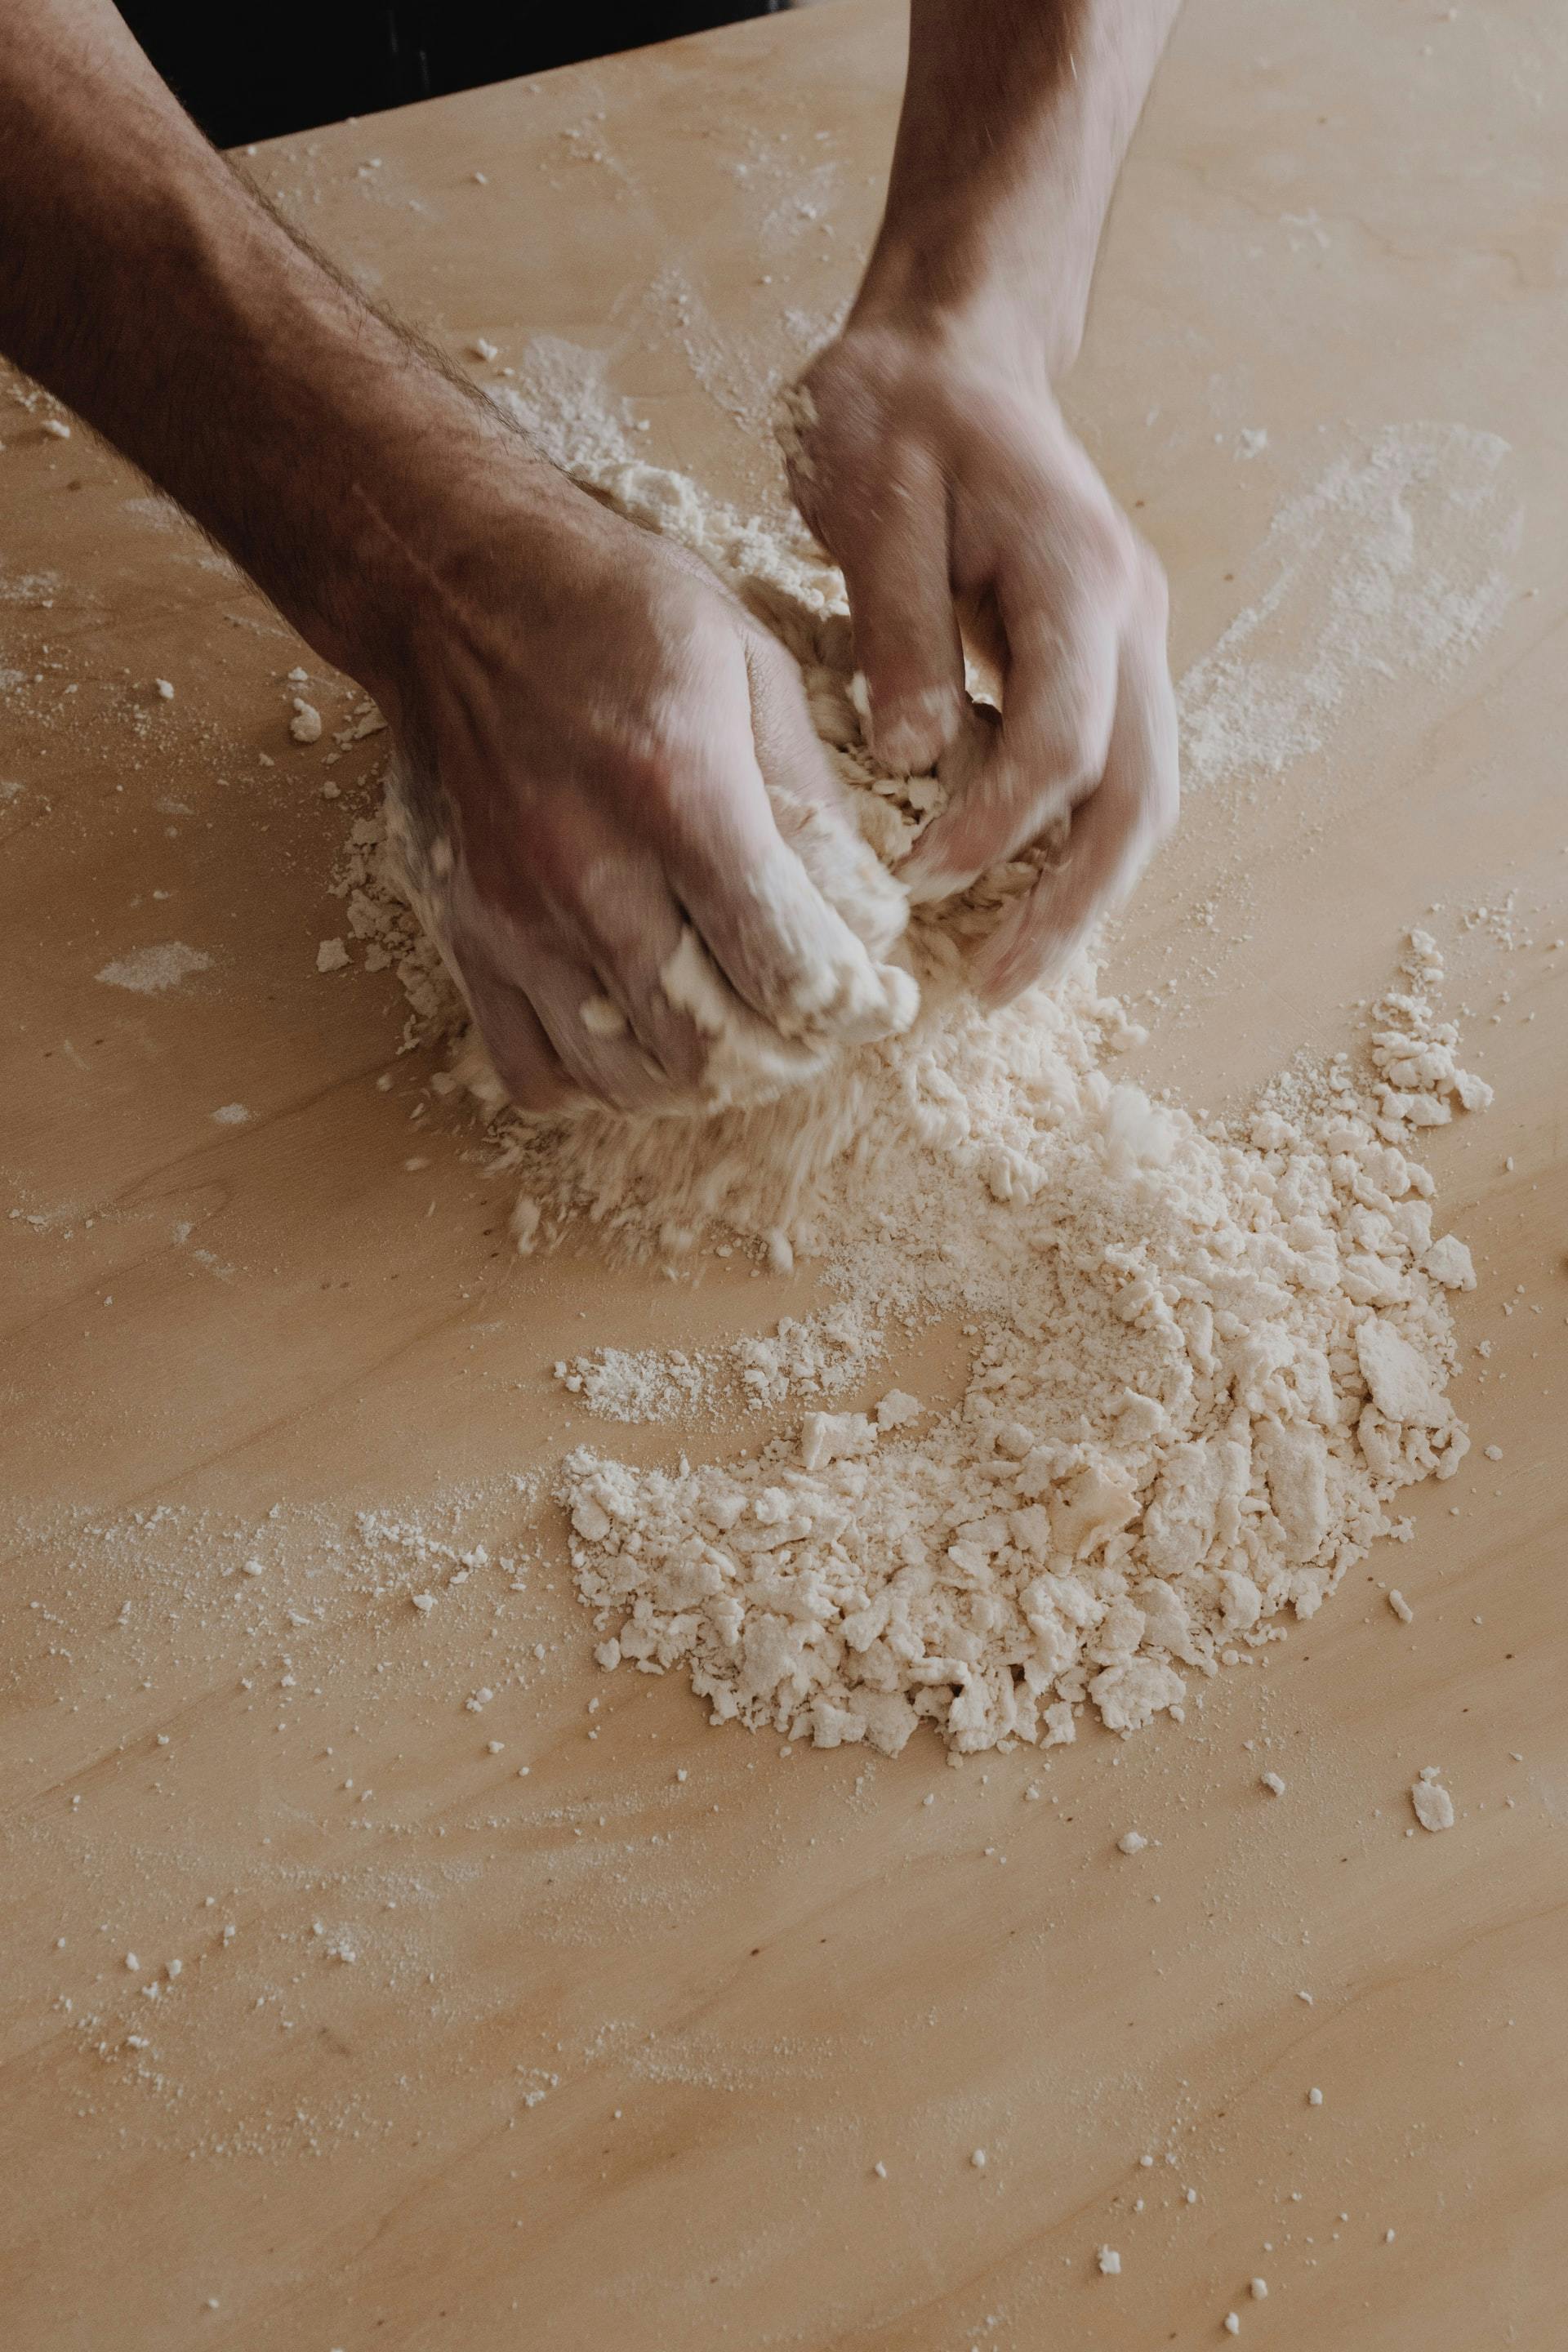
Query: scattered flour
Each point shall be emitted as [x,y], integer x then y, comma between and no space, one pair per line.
[1207,1362]
[146,972]
[1390,564]
[1206,1358]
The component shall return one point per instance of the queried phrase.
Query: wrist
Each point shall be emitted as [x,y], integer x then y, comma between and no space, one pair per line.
[1017,300]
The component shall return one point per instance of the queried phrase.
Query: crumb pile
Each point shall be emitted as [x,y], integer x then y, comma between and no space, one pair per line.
[1207,1364]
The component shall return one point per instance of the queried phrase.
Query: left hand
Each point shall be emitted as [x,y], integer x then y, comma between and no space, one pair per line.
[944,482]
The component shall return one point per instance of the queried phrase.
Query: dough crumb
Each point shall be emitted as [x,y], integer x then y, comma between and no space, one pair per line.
[1433,1805]
[601,1018]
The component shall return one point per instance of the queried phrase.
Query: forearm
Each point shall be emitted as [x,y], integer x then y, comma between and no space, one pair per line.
[146,284]
[1016,116]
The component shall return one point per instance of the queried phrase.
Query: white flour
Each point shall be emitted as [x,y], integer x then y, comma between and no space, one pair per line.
[1389,565]
[147,971]
[1207,1364]
[1206,1361]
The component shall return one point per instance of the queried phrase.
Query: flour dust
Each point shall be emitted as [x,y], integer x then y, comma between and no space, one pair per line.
[1390,565]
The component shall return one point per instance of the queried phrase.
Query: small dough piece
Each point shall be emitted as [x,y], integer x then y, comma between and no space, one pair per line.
[601,1018]
[1433,1805]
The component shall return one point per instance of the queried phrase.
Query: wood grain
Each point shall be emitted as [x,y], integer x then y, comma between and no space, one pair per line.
[597,2055]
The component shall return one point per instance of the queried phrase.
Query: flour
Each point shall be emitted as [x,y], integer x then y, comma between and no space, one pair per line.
[1208,1361]
[1205,1357]
[1390,564]
[808,1357]
[148,971]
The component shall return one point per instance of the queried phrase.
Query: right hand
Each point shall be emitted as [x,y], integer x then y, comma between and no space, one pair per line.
[626,828]
[936,467]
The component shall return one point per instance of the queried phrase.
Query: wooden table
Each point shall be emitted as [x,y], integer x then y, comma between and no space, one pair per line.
[596,2055]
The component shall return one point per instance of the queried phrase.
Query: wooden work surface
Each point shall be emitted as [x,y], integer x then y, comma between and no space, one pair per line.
[599,2057]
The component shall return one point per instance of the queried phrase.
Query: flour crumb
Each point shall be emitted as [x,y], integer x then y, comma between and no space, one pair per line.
[1109,2262]
[601,1017]
[1130,1841]
[1273,1783]
[1400,1606]
[1433,1805]
[332,956]
[305,726]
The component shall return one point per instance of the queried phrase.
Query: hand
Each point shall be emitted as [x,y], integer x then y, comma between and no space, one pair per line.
[621,816]
[943,481]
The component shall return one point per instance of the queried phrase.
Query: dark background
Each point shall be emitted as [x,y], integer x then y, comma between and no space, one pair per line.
[285,65]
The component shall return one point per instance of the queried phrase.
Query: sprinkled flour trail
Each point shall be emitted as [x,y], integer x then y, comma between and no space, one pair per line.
[1206,1360]
[1391,563]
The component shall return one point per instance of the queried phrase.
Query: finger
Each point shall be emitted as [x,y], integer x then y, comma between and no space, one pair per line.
[745,1057]
[1113,834]
[593,1039]
[525,1062]
[895,562]
[551,1024]
[785,951]
[623,925]
[1058,706]
[810,806]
